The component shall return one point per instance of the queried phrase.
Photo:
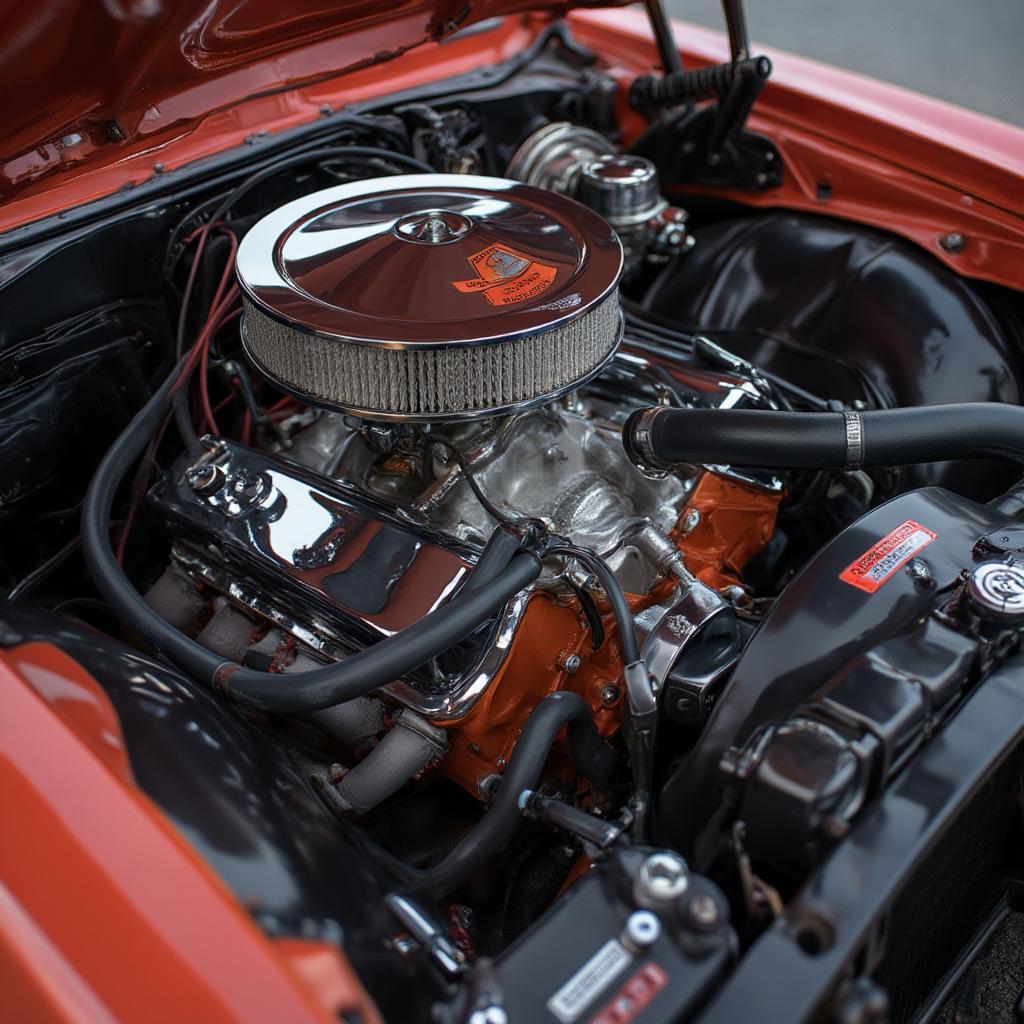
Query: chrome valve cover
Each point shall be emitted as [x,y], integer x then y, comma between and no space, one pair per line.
[330,566]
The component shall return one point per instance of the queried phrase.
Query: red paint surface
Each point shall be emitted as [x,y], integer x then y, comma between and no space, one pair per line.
[81,66]
[893,159]
[106,913]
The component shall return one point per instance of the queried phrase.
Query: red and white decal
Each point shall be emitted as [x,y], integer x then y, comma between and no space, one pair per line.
[634,996]
[888,556]
[505,276]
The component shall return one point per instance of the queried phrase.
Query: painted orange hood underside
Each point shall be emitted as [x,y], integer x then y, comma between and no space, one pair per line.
[96,72]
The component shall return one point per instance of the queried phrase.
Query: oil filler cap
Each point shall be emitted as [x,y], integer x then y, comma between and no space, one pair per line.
[996,590]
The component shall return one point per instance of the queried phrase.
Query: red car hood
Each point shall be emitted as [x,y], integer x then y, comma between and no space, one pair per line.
[79,74]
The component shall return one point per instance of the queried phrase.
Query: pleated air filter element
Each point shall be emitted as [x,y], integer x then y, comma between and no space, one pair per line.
[430,297]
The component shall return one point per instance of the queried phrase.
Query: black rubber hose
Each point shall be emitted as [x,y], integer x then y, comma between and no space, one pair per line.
[590,755]
[620,608]
[825,440]
[501,547]
[671,90]
[334,684]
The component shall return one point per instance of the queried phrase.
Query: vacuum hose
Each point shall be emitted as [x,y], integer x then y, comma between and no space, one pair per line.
[590,755]
[355,676]
[757,438]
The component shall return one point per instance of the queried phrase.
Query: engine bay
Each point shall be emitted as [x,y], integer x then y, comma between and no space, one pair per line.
[540,581]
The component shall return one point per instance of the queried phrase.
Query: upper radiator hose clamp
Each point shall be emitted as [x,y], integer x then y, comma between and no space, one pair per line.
[854,440]
[768,438]
[637,440]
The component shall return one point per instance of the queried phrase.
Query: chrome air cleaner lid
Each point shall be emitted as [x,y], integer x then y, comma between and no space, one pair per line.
[430,297]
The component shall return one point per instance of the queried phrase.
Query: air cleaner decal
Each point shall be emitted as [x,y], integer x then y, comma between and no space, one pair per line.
[882,560]
[505,276]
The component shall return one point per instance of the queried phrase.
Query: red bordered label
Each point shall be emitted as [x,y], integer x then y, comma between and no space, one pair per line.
[887,557]
[634,996]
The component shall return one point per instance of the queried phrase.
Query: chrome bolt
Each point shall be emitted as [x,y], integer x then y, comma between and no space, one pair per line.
[663,878]
[572,664]
[953,242]
[642,929]
[205,479]
[405,945]
[489,1015]
[918,571]
[690,522]
[610,695]
[703,911]
[248,487]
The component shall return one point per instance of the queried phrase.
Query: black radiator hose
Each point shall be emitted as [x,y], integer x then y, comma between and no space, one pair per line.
[663,437]
[590,755]
[353,677]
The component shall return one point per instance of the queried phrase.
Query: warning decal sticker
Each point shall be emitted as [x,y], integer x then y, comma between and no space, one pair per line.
[634,997]
[595,975]
[889,555]
[505,276]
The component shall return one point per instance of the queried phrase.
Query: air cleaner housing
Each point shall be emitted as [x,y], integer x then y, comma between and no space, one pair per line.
[430,297]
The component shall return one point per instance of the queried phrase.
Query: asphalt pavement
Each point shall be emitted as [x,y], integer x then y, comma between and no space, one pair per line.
[969,52]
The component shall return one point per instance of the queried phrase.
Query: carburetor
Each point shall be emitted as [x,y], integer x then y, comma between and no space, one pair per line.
[621,187]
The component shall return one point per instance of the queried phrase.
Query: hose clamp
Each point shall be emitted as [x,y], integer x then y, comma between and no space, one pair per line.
[639,446]
[854,440]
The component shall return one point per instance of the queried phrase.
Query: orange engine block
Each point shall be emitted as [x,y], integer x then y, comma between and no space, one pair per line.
[723,525]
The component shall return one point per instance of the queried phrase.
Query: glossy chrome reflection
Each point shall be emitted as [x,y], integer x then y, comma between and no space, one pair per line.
[430,297]
[335,569]
[345,263]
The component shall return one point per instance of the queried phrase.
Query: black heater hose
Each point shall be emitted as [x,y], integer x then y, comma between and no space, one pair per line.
[663,437]
[616,598]
[590,755]
[334,684]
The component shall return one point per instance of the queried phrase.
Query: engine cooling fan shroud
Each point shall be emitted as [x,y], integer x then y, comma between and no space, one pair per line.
[430,297]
